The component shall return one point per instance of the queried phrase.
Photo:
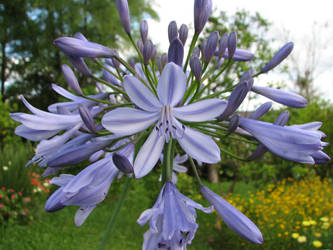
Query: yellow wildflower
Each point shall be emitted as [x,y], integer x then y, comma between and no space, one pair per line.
[301,239]
[325,225]
[306,223]
[295,235]
[324,219]
[317,243]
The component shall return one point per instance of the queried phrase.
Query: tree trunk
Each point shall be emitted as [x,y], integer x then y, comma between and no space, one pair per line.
[213,175]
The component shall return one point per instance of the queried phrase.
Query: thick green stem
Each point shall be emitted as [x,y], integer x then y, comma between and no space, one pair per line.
[114,215]
[194,40]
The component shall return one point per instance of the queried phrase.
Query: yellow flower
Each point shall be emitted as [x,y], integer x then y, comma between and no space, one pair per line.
[317,243]
[301,239]
[312,222]
[295,235]
[326,225]
[324,219]
[317,234]
[306,223]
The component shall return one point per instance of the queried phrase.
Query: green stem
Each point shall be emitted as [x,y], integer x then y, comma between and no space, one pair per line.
[109,85]
[195,171]
[96,100]
[114,215]
[193,42]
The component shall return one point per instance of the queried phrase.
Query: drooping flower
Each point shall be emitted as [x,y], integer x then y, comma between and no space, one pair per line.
[289,142]
[163,111]
[234,219]
[172,220]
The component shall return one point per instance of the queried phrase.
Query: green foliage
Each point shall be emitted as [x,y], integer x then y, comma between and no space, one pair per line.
[7,125]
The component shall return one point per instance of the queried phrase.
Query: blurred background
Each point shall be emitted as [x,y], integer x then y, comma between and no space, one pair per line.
[291,203]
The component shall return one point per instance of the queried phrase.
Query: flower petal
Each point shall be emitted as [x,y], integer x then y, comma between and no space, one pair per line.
[82,214]
[127,121]
[200,111]
[149,154]
[171,86]
[140,94]
[199,146]
[34,134]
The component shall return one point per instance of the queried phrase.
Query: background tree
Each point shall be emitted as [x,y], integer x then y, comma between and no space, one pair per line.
[30,62]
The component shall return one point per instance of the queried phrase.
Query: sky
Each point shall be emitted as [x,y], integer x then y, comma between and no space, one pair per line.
[302,20]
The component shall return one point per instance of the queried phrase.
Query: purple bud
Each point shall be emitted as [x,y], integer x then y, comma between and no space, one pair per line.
[79,64]
[282,118]
[196,68]
[223,45]
[79,48]
[232,44]
[283,97]
[115,62]
[231,216]
[259,112]
[147,51]
[139,43]
[144,30]
[132,62]
[107,76]
[176,52]
[196,52]
[258,152]
[122,163]
[87,118]
[154,53]
[183,33]
[203,48]
[71,79]
[202,10]
[211,46]
[80,36]
[240,55]
[233,124]
[172,31]
[123,11]
[162,61]
[278,57]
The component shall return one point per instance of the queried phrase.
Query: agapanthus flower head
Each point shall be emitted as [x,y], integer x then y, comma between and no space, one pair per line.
[172,220]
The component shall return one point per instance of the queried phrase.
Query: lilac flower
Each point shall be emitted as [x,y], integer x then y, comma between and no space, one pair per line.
[232,44]
[172,220]
[85,190]
[281,96]
[123,11]
[183,32]
[202,10]
[71,79]
[239,55]
[144,30]
[291,143]
[234,219]
[163,112]
[176,52]
[80,48]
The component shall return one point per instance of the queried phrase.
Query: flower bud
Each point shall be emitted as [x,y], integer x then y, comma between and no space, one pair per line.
[132,62]
[79,48]
[196,67]
[196,52]
[233,124]
[147,51]
[123,11]
[139,43]
[183,33]
[122,163]
[154,53]
[162,61]
[115,62]
[87,118]
[223,45]
[202,10]
[172,31]
[211,46]
[107,76]
[71,79]
[278,57]
[79,64]
[259,112]
[232,44]
[203,48]
[282,118]
[144,30]
[176,52]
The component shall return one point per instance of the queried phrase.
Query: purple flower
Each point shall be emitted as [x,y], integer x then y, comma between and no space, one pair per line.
[294,143]
[234,219]
[80,48]
[284,97]
[172,220]
[144,30]
[176,52]
[71,79]
[202,10]
[278,57]
[163,112]
[86,190]
[123,11]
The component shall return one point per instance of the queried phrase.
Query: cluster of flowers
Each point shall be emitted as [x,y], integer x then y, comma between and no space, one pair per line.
[159,106]
[13,205]
[39,185]
[301,210]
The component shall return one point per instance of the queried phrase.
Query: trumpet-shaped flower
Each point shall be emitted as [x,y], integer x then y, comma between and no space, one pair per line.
[163,111]
[172,220]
